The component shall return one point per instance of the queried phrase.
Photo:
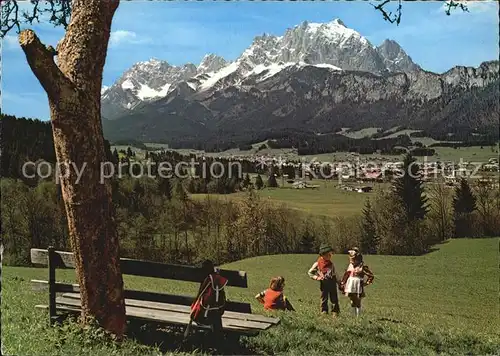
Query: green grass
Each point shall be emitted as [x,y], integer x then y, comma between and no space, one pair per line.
[444,302]
[366,132]
[398,133]
[468,154]
[327,200]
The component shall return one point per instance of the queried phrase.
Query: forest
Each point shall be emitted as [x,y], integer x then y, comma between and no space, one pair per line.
[160,219]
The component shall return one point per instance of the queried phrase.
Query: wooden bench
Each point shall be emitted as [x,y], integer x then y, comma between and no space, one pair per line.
[159,308]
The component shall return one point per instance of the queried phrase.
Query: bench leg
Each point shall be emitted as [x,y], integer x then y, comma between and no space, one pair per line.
[52,286]
[233,339]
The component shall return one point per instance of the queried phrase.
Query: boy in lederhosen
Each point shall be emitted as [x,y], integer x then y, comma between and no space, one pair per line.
[323,271]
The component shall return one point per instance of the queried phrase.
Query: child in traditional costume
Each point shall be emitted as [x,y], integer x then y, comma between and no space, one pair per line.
[353,281]
[323,271]
[273,297]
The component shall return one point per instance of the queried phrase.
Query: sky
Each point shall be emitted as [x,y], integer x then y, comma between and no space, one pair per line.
[182,32]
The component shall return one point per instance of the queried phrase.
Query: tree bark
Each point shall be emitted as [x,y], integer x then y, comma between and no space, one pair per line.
[73,87]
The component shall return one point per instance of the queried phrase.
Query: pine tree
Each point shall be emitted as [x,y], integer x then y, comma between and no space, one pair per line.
[464,200]
[182,198]
[232,185]
[116,157]
[369,239]
[129,152]
[137,194]
[191,186]
[179,192]
[246,181]
[165,187]
[271,182]
[221,185]
[464,203]
[307,242]
[137,169]
[410,191]
[258,182]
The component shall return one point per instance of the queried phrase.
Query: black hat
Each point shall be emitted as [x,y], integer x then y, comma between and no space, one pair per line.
[325,248]
[207,266]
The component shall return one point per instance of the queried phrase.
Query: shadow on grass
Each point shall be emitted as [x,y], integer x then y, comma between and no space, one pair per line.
[436,247]
[167,340]
[171,339]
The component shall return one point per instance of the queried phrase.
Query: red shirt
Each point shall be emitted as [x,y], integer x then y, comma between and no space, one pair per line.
[273,299]
[326,267]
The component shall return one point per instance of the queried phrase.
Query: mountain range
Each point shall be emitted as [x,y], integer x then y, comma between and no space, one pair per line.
[315,78]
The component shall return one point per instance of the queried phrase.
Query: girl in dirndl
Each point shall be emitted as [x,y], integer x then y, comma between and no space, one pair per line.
[353,282]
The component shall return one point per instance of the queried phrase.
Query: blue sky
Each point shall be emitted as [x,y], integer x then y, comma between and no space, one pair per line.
[181,32]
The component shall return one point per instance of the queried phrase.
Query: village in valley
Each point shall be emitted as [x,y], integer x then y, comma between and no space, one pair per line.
[351,171]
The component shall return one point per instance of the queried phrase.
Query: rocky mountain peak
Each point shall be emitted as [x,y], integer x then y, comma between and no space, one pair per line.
[338,22]
[395,58]
[211,63]
[330,45]
[390,48]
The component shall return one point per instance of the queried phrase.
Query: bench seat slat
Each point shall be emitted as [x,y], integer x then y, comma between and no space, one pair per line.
[187,310]
[230,328]
[170,316]
[146,296]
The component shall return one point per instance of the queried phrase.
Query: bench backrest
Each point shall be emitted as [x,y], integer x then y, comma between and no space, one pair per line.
[64,260]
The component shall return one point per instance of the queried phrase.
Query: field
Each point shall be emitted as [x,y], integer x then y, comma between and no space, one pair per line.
[394,134]
[326,200]
[468,154]
[367,132]
[443,302]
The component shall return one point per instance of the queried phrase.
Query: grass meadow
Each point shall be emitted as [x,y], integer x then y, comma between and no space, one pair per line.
[327,200]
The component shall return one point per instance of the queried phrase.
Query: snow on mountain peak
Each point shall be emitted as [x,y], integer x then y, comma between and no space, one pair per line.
[338,22]
[331,45]
[314,43]
[216,76]
[335,30]
[211,63]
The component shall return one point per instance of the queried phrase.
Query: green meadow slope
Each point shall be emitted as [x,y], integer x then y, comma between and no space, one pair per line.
[444,302]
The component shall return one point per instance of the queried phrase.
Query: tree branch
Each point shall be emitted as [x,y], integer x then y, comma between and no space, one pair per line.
[452,5]
[41,61]
[10,14]
[388,16]
[88,32]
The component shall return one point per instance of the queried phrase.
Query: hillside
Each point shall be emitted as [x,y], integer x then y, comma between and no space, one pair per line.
[437,303]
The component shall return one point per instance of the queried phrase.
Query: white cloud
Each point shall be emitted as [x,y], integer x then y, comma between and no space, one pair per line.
[10,42]
[27,104]
[123,37]
[482,6]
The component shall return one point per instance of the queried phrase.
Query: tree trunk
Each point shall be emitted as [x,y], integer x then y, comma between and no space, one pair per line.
[73,87]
